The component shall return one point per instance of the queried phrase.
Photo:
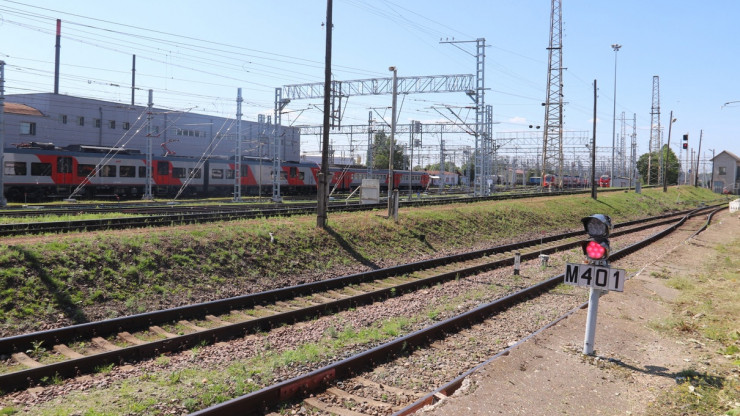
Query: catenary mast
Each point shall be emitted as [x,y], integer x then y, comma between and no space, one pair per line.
[552,142]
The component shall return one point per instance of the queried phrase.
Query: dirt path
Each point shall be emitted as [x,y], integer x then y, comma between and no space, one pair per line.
[549,375]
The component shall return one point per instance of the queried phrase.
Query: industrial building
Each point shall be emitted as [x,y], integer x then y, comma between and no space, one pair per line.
[726,173]
[64,120]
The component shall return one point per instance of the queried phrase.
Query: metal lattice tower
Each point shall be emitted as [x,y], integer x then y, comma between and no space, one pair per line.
[621,161]
[489,151]
[654,172]
[277,143]
[552,142]
[478,95]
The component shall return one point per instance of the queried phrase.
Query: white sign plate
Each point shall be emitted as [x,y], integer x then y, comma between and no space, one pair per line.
[597,277]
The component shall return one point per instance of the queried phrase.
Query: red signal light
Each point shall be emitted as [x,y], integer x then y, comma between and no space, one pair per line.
[595,250]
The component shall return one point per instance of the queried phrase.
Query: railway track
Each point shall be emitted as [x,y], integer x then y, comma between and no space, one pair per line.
[84,348]
[367,383]
[172,215]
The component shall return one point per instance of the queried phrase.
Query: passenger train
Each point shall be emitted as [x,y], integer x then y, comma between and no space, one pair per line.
[41,171]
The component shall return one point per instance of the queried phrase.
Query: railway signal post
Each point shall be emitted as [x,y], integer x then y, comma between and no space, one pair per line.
[596,274]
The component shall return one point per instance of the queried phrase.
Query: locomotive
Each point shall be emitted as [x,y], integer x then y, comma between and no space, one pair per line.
[36,172]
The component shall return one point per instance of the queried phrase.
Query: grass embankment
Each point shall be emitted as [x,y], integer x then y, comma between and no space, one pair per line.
[90,276]
[706,313]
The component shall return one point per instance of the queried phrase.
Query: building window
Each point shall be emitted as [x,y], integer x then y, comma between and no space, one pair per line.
[178,172]
[126,125]
[98,123]
[127,171]
[15,168]
[40,169]
[28,128]
[81,121]
[163,168]
[108,171]
[112,124]
[64,165]
[722,170]
[63,119]
[85,170]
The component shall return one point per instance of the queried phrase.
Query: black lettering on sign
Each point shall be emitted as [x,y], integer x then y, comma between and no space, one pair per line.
[571,273]
[587,276]
[602,277]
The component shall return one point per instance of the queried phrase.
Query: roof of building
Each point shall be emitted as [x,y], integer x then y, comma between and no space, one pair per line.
[22,109]
[732,155]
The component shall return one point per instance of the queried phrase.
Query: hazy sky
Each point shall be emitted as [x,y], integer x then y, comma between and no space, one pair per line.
[195,55]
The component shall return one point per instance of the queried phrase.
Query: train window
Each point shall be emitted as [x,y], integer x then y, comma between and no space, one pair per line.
[178,172]
[229,173]
[163,168]
[28,128]
[108,171]
[245,170]
[40,169]
[127,171]
[293,171]
[64,165]
[194,173]
[142,171]
[84,170]
[301,175]
[15,168]
[217,174]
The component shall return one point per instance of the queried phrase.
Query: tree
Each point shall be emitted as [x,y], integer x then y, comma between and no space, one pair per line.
[449,167]
[672,166]
[381,146]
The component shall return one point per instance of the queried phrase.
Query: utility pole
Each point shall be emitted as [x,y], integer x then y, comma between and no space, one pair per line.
[133,79]
[57,49]
[698,153]
[655,140]
[238,155]
[667,149]
[391,144]
[593,152]
[616,47]
[148,190]
[323,197]
[3,201]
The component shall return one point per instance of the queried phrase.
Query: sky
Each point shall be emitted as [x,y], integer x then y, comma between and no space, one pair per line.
[194,55]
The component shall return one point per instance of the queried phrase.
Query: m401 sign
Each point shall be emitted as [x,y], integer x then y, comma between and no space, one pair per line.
[597,277]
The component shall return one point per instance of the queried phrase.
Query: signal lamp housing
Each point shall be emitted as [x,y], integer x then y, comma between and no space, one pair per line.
[597,227]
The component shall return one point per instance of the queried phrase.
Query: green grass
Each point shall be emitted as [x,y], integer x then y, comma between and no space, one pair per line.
[707,308]
[134,272]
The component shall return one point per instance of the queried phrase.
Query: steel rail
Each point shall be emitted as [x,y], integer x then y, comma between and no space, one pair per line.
[450,387]
[316,380]
[186,216]
[72,367]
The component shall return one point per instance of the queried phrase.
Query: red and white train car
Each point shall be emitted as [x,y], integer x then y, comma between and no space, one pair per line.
[35,172]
